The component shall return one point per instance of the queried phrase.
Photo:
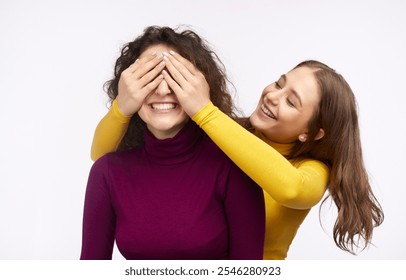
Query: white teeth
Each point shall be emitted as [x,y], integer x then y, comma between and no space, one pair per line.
[163,106]
[267,112]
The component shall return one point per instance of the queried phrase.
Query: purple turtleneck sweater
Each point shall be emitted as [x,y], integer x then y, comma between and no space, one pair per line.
[178,198]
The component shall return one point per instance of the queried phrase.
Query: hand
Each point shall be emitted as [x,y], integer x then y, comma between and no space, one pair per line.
[187,82]
[137,81]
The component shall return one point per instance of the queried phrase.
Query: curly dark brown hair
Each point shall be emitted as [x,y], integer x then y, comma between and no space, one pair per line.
[189,45]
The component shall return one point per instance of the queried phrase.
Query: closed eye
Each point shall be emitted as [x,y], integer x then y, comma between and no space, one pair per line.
[290,103]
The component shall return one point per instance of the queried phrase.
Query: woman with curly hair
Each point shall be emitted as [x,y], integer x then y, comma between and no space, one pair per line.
[168,192]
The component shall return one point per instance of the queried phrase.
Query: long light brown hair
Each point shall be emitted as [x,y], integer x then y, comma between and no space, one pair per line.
[337,114]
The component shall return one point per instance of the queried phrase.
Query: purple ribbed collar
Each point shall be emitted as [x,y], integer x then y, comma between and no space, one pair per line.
[174,150]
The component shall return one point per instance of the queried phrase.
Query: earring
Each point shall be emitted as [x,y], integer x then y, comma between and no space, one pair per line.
[302,138]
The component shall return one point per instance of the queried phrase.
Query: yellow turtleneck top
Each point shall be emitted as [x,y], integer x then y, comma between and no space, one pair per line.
[290,188]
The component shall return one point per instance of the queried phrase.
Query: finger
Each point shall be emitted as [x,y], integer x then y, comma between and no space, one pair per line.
[139,61]
[189,65]
[183,70]
[146,64]
[152,85]
[143,65]
[176,75]
[148,77]
[132,67]
[172,83]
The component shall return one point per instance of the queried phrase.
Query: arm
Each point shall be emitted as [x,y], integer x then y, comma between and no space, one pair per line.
[98,217]
[295,187]
[300,187]
[245,210]
[109,132]
[135,83]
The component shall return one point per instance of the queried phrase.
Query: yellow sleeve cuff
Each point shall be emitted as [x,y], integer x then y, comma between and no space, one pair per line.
[203,113]
[120,116]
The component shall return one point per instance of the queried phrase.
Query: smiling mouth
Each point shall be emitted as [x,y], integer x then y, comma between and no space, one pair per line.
[267,112]
[163,106]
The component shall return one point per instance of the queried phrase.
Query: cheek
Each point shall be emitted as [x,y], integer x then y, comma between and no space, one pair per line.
[294,120]
[184,116]
[261,99]
[289,114]
[302,122]
[142,112]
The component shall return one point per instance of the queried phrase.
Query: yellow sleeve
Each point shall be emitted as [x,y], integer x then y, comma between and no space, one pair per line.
[299,187]
[109,132]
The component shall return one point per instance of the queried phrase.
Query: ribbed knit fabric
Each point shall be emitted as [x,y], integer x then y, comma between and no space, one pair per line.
[178,198]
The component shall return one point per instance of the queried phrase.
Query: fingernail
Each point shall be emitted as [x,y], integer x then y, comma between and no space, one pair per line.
[160,77]
[165,58]
[159,56]
[172,52]
[153,53]
[162,63]
[164,72]
[165,54]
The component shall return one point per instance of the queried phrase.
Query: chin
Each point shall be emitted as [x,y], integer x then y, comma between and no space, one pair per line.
[168,127]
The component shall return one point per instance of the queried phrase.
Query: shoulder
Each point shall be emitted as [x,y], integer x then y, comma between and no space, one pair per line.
[314,163]
[116,159]
[313,166]
[211,150]
[217,158]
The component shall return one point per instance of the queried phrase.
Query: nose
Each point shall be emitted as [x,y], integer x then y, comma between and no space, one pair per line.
[163,88]
[273,97]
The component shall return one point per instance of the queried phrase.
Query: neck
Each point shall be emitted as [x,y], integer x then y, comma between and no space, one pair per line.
[173,150]
[166,134]
[282,148]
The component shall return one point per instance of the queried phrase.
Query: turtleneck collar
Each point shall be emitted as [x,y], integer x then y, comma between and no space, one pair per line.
[174,150]
[283,149]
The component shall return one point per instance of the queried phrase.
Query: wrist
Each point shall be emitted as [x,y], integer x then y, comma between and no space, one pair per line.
[119,114]
[203,109]
[122,108]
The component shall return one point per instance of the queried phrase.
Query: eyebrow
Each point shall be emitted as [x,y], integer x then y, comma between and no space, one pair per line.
[283,77]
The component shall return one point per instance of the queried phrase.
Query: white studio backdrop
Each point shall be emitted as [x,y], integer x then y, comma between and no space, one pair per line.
[56,55]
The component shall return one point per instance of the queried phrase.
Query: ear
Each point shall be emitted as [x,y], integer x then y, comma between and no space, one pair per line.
[319,134]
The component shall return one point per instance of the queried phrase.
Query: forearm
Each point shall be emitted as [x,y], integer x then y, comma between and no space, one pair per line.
[109,132]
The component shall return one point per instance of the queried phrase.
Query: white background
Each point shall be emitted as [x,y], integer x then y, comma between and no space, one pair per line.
[55,57]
